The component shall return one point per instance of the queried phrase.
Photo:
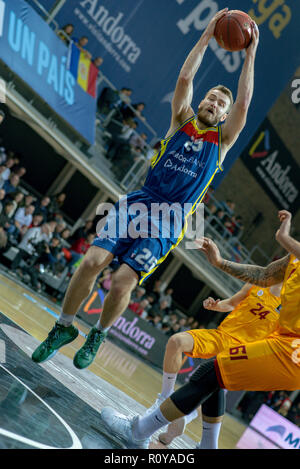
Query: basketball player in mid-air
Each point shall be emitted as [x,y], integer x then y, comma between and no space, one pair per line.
[201,143]
[270,364]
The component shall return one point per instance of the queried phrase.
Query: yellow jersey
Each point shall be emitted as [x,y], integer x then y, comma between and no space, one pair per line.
[254,318]
[289,320]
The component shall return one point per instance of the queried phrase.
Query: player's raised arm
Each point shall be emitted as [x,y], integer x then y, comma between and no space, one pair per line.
[272,274]
[283,234]
[229,304]
[183,95]
[236,119]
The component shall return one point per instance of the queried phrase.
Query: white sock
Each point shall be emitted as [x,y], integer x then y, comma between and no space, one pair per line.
[210,435]
[101,328]
[65,319]
[192,416]
[147,425]
[168,384]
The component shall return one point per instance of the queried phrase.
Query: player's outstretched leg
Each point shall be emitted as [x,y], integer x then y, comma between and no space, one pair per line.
[79,288]
[115,303]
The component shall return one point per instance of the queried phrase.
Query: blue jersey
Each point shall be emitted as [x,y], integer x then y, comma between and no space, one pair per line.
[185,165]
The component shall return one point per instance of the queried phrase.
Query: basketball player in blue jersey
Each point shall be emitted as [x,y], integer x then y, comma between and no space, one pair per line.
[190,155]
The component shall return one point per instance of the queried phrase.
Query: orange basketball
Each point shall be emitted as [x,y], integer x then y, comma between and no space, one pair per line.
[233,31]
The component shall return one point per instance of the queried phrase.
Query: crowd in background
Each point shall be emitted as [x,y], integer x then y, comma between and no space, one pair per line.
[36,227]
[66,35]
[277,400]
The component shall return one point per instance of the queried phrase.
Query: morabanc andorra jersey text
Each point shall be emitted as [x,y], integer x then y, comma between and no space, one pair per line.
[185,165]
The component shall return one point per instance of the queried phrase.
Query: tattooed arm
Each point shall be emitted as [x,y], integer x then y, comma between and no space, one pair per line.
[257,275]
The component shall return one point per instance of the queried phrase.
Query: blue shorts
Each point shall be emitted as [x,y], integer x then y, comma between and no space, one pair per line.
[139,234]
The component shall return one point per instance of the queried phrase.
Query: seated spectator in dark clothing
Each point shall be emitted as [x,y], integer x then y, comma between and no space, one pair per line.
[27,200]
[37,220]
[83,231]
[65,33]
[16,199]
[65,237]
[156,290]
[5,220]
[156,321]
[110,99]
[12,184]
[61,225]
[2,196]
[161,308]
[218,222]
[174,329]
[19,171]
[138,144]
[42,206]
[182,324]
[165,328]
[120,142]
[135,112]
[56,203]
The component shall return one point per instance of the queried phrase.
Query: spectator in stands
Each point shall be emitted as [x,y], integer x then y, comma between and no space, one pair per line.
[138,144]
[217,223]
[19,171]
[65,237]
[6,173]
[60,226]
[165,328]
[110,99]
[22,220]
[173,329]
[98,61]
[167,296]
[182,324]
[189,322]
[156,290]
[161,308]
[37,219]
[42,206]
[12,184]
[56,203]
[134,111]
[138,294]
[119,147]
[156,321]
[195,325]
[2,196]
[65,33]
[81,43]
[230,206]
[80,247]
[139,308]
[16,200]
[83,231]
[28,200]
[6,222]
[3,239]
[29,241]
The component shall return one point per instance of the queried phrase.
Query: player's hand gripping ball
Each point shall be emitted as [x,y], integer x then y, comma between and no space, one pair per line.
[233,31]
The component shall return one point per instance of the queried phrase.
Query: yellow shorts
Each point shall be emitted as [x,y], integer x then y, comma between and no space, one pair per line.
[209,342]
[271,364]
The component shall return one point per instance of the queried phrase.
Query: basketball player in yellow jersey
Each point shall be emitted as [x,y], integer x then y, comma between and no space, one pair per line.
[270,364]
[252,316]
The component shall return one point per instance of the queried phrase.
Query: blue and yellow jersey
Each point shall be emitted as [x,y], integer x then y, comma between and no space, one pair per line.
[185,165]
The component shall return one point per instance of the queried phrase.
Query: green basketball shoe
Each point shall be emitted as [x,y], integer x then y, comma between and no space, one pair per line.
[57,338]
[85,356]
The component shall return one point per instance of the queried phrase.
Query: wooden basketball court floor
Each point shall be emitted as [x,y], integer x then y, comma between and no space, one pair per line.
[55,405]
